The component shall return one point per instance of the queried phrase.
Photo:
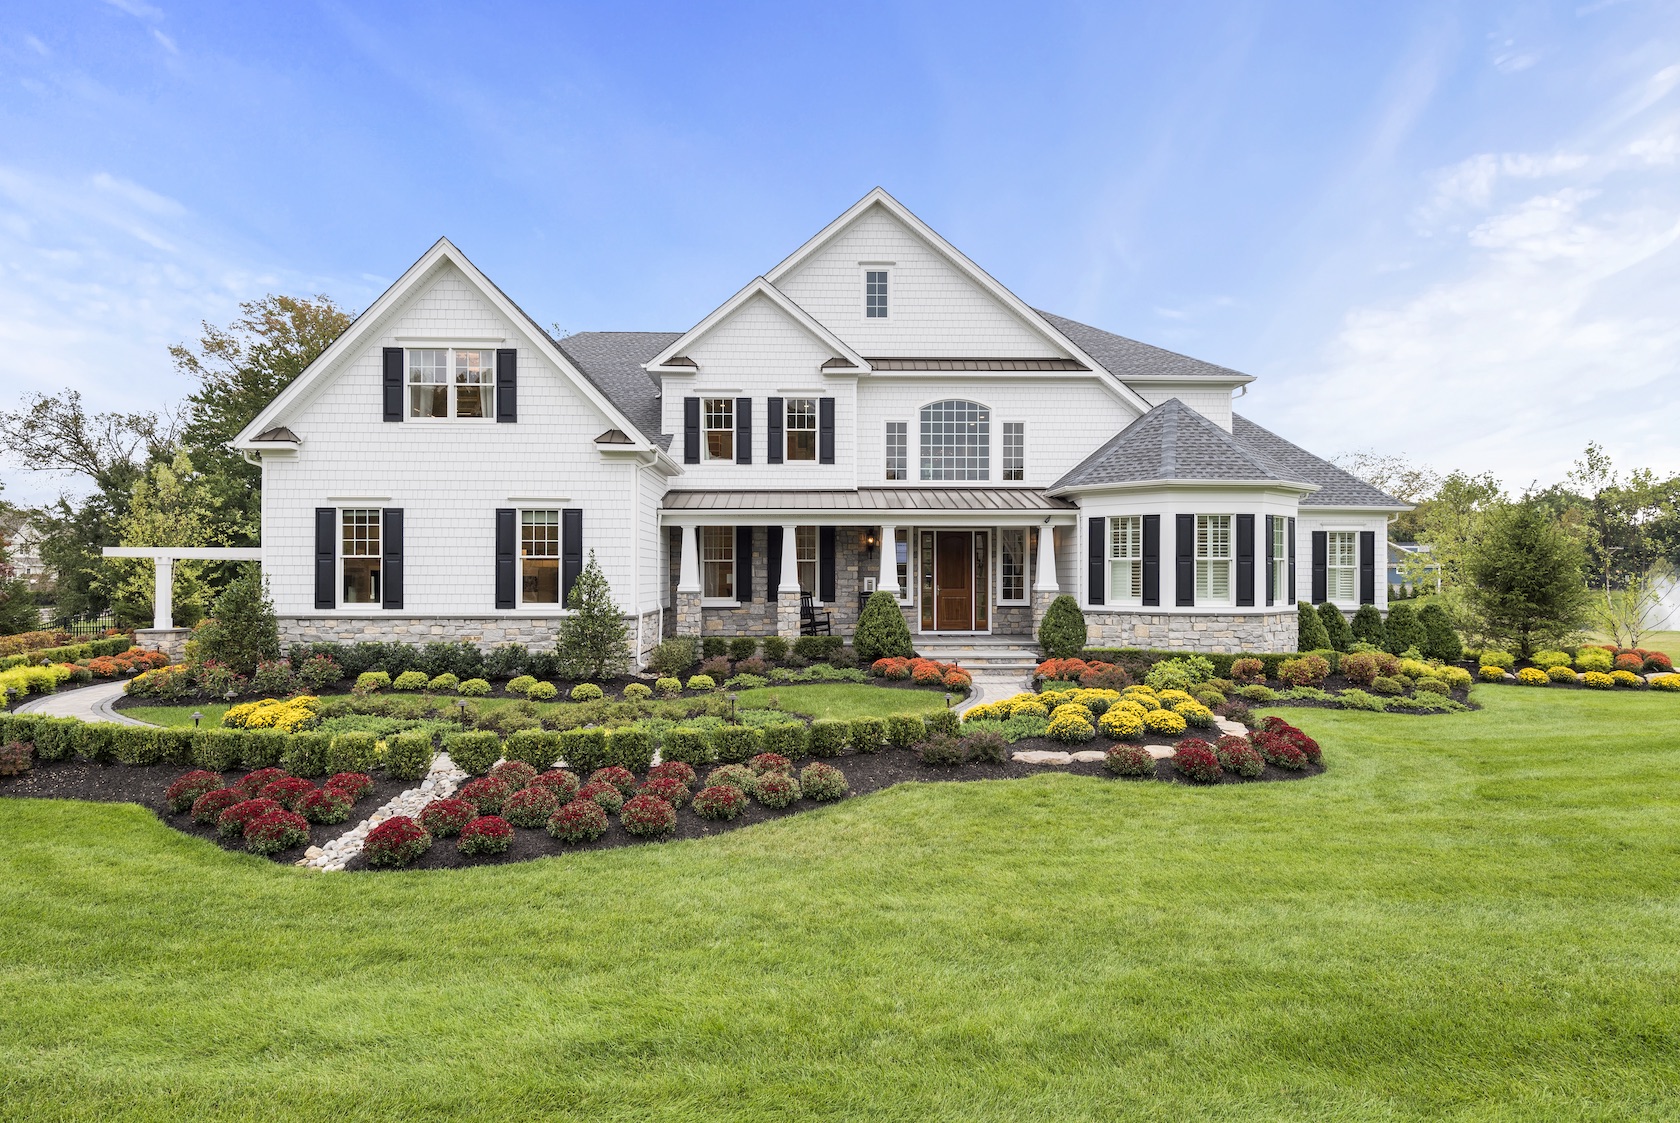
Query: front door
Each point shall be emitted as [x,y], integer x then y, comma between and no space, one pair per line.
[954,584]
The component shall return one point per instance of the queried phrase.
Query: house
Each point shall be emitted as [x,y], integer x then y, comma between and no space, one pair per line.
[1409,563]
[875,412]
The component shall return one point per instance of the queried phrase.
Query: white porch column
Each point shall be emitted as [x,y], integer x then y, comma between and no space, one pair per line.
[790,564]
[163,592]
[1045,582]
[688,576]
[888,580]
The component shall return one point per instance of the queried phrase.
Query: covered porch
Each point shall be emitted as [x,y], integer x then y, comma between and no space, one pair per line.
[960,561]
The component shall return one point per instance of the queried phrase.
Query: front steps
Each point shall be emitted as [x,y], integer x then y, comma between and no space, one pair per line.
[989,655]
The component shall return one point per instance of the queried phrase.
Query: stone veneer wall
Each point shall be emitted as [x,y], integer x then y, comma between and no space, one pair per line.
[1193,631]
[487,632]
[757,617]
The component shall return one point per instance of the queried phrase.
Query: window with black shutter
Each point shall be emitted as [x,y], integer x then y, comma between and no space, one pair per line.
[743,430]
[1096,543]
[571,550]
[691,430]
[392,562]
[1367,567]
[393,384]
[825,431]
[507,539]
[1320,566]
[743,564]
[825,564]
[1184,574]
[773,563]
[507,385]
[326,557]
[1152,560]
[773,422]
[1245,560]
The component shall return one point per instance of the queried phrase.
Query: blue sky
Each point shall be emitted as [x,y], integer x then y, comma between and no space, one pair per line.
[1444,230]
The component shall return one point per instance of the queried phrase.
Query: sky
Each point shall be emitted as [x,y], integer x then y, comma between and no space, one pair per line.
[1438,230]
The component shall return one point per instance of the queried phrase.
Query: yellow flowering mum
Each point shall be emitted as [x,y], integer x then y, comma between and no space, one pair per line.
[1625,678]
[1533,676]
[1172,698]
[1083,712]
[1125,723]
[288,716]
[1562,674]
[1493,674]
[1194,713]
[1068,726]
[1598,680]
[1164,722]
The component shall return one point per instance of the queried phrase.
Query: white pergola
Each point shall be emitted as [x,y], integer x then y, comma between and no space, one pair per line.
[163,561]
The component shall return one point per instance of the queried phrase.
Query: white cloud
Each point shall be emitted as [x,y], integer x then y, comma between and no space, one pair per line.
[167,43]
[137,8]
[36,45]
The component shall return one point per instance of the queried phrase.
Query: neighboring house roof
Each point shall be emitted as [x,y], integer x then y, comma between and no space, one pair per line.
[1337,487]
[1128,359]
[613,360]
[870,499]
[1174,442]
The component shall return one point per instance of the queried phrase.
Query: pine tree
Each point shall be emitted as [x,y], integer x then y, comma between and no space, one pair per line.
[242,630]
[1404,631]
[1335,626]
[881,631]
[1525,574]
[1441,638]
[1310,633]
[1062,632]
[1368,626]
[594,642]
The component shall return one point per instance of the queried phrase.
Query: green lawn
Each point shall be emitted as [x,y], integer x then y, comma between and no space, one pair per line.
[1468,917]
[179,715]
[1666,642]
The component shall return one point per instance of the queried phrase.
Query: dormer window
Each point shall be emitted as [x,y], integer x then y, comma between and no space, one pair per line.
[875,294]
[451,382]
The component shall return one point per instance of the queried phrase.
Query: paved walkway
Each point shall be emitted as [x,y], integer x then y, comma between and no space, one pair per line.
[90,703]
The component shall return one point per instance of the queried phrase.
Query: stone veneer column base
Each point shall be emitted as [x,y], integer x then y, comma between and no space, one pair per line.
[1258,632]
[170,641]
[689,618]
[1041,602]
[787,615]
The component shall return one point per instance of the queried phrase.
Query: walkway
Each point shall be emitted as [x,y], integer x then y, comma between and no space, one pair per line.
[90,703]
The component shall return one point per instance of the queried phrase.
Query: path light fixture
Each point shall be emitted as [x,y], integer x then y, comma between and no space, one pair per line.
[196,716]
[11,696]
[731,705]
[231,695]
[947,699]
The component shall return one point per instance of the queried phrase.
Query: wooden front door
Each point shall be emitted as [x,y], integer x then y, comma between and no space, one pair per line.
[954,581]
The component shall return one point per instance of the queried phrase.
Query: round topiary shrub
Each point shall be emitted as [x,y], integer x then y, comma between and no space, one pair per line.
[1195,760]
[581,820]
[621,778]
[1533,676]
[587,692]
[396,842]
[519,687]
[542,692]
[770,762]
[231,823]
[609,797]
[287,792]
[444,818]
[905,731]
[776,789]
[881,631]
[275,831]
[1129,760]
[1238,756]
[487,794]
[562,783]
[680,771]
[325,805]
[1062,632]
[353,784]
[516,774]
[184,792]
[702,682]
[208,808]
[445,683]
[943,750]
[487,834]
[648,816]
[668,687]
[408,680]
[720,802]
[473,688]
[530,807]
[252,783]
[1164,722]
[826,737]
[822,782]
[667,788]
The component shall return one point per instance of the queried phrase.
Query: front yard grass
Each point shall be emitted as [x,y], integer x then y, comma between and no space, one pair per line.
[1469,917]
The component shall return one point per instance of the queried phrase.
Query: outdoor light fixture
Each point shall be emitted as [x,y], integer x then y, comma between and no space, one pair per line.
[732,705]
[196,716]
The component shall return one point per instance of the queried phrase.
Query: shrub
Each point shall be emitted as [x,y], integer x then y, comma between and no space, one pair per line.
[638,692]
[1071,726]
[55,739]
[354,785]
[444,818]
[241,630]
[673,656]
[1405,630]
[1195,760]
[765,763]
[1493,657]
[941,749]
[668,788]
[533,750]
[542,692]
[745,682]
[1122,723]
[775,648]
[1491,673]
[1309,628]
[822,783]
[1194,713]
[867,734]
[823,649]
[584,750]
[594,642]
[1437,687]
[891,667]
[1360,667]
[515,773]
[776,789]
[287,791]
[905,731]
[826,737]
[632,746]
[324,805]
[714,647]
[473,752]
[408,755]
[1307,670]
[1657,663]
[530,807]
[231,823]
[1256,694]
[1279,750]
[1368,626]
[1062,632]
[668,687]
[1626,678]
[742,647]
[1546,660]
[215,750]
[1335,626]
[986,747]
[276,831]
[784,740]
[587,692]
[474,688]
[487,834]
[1440,638]
[352,752]
[181,795]
[620,778]
[733,775]
[487,794]
[721,801]
[734,743]
[562,783]
[1533,676]
[1630,662]
[1389,686]
[581,820]
[208,808]
[1238,756]
[408,680]
[372,682]
[716,669]
[1164,722]
[689,746]
[1669,682]
[1248,670]
[521,685]
[673,770]
[305,754]
[702,682]
[1592,659]
[1129,760]
[609,797]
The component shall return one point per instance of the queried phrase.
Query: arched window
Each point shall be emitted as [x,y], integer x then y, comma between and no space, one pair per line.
[956,441]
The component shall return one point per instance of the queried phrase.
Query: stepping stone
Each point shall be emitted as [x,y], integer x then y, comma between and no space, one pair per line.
[1089,756]
[1040,756]
[1226,725]
[1159,752]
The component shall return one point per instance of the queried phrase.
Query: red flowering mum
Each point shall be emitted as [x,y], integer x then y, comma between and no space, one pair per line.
[275,831]
[609,797]
[353,784]
[776,789]
[325,805]
[1129,760]
[231,823]
[648,816]
[446,817]
[771,762]
[581,820]
[1194,758]
[530,807]
[621,778]
[486,793]
[184,792]
[1068,669]
[287,791]
[397,841]
[207,808]
[683,774]
[1630,662]
[1238,756]
[252,783]
[958,680]
[1279,750]
[487,834]
[667,788]
[562,783]
[1657,662]
[1305,744]
[515,774]
[720,801]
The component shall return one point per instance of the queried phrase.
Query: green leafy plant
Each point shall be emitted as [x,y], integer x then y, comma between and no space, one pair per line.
[881,631]
[242,630]
[594,642]
[1062,634]
[1368,626]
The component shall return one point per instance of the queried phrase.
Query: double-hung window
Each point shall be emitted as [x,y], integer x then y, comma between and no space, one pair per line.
[898,450]
[805,546]
[1280,560]
[956,441]
[720,428]
[1012,563]
[451,382]
[539,557]
[1342,566]
[717,562]
[359,555]
[875,294]
[905,593]
[801,429]
[1125,559]
[1014,451]
[1213,559]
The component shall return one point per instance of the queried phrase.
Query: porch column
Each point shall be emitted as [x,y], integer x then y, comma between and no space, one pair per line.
[888,580]
[787,588]
[163,593]
[689,621]
[1045,586]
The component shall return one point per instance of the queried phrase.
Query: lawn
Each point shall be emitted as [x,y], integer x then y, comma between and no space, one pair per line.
[1469,917]
[211,714]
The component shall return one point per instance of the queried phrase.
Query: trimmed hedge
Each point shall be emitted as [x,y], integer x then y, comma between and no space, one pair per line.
[535,747]
[689,746]
[306,754]
[584,750]
[1137,661]
[408,756]
[474,752]
[732,744]
[71,653]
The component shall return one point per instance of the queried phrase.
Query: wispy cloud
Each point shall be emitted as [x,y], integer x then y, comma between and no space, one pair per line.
[137,8]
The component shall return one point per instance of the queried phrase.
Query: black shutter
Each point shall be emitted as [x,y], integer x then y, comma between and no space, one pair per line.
[1291,559]
[1320,566]
[1367,567]
[326,557]
[743,430]
[1271,561]
[825,553]
[743,564]
[1152,560]
[773,447]
[571,550]
[391,567]
[1245,561]
[773,563]
[507,554]
[1184,576]
[825,430]
[393,383]
[1096,532]
[691,430]
[507,385]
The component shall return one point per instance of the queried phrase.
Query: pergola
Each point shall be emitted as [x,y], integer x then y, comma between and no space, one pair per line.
[164,559]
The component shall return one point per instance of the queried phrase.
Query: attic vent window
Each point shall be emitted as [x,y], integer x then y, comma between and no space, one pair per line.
[875,294]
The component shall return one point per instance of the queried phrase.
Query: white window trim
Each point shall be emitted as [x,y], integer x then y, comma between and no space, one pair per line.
[451,418]
[907,584]
[1279,561]
[705,430]
[1230,560]
[864,269]
[379,556]
[990,445]
[1116,596]
[884,433]
[1026,568]
[547,607]
[1353,600]
[1003,454]
[788,430]
[735,572]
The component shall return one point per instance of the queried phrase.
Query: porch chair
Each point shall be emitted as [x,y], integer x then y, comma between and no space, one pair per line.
[811,621]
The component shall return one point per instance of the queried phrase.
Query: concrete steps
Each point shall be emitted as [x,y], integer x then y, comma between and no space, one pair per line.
[982,654]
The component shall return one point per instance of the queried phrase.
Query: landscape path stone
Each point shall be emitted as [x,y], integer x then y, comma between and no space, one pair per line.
[90,703]
[441,781]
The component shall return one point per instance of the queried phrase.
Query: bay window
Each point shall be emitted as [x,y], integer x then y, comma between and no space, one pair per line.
[1213,559]
[1125,559]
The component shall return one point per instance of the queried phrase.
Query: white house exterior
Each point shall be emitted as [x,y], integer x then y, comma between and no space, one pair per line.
[874,412]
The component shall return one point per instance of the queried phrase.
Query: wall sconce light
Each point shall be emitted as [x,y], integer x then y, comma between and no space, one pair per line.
[869,540]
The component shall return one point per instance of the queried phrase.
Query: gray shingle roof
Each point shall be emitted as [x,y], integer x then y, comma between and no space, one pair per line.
[1336,487]
[1173,442]
[613,360]
[1127,358]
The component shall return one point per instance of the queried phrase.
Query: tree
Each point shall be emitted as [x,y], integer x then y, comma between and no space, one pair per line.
[1309,630]
[1335,626]
[1062,632]
[1525,576]
[1368,627]
[1404,631]
[242,630]
[1451,522]
[1440,637]
[881,632]
[1412,483]
[171,506]
[1631,612]
[594,642]
[17,602]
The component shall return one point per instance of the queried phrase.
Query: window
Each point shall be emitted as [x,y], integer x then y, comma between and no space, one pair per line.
[1125,559]
[898,450]
[1012,563]
[1014,450]
[1342,557]
[1213,559]
[1280,560]
[539,557]
[956,441]
[717,562]
[805,547]
[720,428]
[360,554]
[802,428]
[875,294]
[433,393]
[905,593]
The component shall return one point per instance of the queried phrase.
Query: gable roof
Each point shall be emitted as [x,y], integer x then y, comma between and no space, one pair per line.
[759,287]
[1128,359]
[1337,487]
[1174,442]
[613,360]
